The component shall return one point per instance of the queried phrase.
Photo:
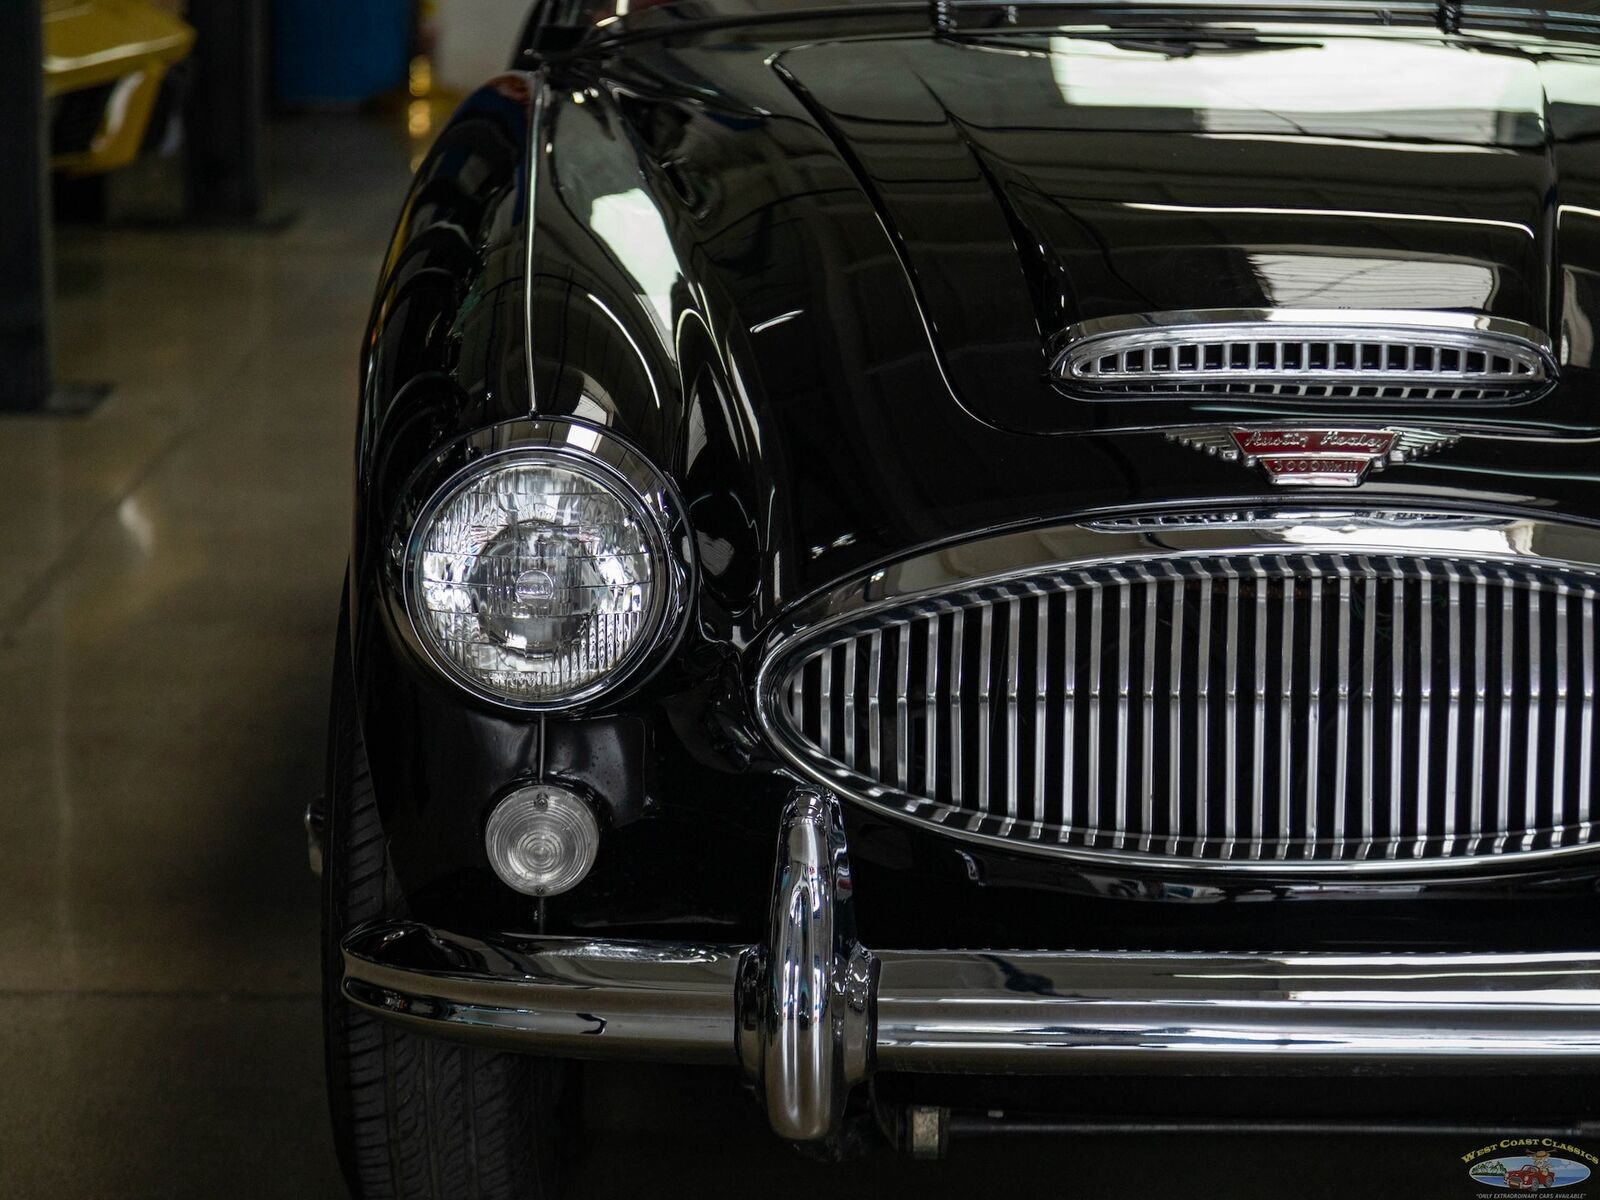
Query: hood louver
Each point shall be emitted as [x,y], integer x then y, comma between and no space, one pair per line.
[1337,354]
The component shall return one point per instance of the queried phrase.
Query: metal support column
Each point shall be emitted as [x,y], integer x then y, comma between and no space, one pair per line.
[224,119]
[25,235]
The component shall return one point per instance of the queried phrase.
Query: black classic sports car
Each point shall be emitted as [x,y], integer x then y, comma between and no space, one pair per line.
[1108,490]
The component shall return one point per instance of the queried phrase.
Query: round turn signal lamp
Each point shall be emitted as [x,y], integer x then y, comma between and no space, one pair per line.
[542,840]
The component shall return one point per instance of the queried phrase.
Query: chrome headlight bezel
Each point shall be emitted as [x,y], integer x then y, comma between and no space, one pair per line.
[606,459]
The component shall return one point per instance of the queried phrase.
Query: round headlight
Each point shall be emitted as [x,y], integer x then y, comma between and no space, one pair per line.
[536,577]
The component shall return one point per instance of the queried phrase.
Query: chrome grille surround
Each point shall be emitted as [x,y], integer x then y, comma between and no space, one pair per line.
[1294,616]
[1309,354]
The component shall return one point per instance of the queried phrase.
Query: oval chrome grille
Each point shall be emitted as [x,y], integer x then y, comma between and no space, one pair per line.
[1343,355]
[1311,709]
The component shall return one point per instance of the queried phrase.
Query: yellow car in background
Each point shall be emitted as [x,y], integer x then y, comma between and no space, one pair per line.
[105,62]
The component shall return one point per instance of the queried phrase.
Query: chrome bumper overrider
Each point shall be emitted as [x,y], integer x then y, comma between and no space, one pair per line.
[812,1013]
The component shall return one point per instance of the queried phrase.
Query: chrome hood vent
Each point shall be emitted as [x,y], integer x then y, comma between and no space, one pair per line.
[1339,354]
[1298,694]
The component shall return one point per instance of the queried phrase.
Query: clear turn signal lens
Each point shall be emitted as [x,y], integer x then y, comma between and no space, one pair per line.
[542,840]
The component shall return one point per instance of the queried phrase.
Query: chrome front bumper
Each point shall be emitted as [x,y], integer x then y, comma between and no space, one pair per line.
[811,1013]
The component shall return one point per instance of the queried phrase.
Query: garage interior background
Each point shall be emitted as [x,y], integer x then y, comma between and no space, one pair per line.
[178,346]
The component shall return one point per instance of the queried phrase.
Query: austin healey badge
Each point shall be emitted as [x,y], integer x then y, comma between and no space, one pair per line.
[1315,457]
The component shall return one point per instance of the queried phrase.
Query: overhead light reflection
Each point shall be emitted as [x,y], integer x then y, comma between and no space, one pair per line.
[644,363]
[1354,213]
[631,225]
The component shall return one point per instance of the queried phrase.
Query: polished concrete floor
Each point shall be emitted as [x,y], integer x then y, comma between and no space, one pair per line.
[169,573]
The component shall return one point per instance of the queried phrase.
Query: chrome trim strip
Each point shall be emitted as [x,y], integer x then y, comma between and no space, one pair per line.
[1069,560]
[530,216]
[809,1013]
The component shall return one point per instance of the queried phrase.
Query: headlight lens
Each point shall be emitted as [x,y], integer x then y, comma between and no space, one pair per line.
[536,578]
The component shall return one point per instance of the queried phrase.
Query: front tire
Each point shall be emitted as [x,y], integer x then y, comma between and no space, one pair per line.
[414,1118]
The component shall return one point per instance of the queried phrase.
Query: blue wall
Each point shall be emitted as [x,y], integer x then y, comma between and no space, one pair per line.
[338,51]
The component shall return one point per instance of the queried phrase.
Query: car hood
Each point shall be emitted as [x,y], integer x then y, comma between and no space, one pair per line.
[819,278]
[1033,182]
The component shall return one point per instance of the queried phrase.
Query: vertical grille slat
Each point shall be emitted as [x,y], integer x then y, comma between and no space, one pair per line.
[1341,745]
[1096,621]
[1369,700]
[1178,589]
[1586,729]
[874,704]
[1230,744]
[1288,689]
[1013,738]
[1041,698]
[1452,756]
[1535,651]
[1558,761]
[1425,623]
[1119,823]
[1069,711]
[1480,703]
[1313,716]
[985,736]
[1147,735]
[850,703]
[1258,774]
[1508,651]
[957,740]
[1202,741]
[1228,709]
[930,713]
